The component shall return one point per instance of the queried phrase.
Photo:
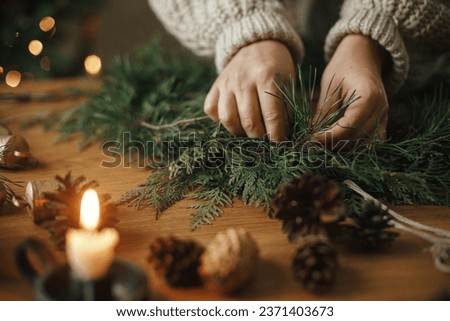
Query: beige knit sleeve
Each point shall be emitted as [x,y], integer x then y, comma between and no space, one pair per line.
[219,28]
[395,25]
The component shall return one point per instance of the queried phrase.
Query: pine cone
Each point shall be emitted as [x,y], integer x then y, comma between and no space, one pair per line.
[15,153]
[315,263]
[370,232]
[69,193]
[229,261]
[60,210]
[176,260]
[57,227]
[307,204]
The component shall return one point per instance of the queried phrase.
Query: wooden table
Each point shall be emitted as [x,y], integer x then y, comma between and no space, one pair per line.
[403,272]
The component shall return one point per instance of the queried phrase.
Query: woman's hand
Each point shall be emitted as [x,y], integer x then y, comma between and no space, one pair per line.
[357,63]
[239,98]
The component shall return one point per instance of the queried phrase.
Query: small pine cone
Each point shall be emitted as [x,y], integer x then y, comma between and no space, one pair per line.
[370,231]
[176,260]
[315,263]
[307,203]
[229,261]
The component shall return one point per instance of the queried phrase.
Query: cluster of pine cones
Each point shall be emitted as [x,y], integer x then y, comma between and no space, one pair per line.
[313,211]
[225,265]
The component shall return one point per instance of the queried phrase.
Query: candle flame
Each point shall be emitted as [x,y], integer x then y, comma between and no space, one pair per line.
[90,210]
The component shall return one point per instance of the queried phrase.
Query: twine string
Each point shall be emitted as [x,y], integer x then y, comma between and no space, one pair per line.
[439,238]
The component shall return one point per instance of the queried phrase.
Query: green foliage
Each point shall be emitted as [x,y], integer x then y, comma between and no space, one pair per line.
[147,86]
[159,191]
[213,195]
[203,160]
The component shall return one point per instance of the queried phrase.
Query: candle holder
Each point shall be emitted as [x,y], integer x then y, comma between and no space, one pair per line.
[123,281]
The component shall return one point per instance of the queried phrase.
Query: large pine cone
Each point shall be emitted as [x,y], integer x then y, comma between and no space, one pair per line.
[370,232]
[315,263]
[69,194]
[229,261]
[56,206]
[307,203]
[176,260]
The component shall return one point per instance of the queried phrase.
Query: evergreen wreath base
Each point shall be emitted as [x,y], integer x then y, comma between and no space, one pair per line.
[157,99]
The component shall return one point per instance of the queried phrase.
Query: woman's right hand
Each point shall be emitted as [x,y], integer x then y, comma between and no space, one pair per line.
[240,98]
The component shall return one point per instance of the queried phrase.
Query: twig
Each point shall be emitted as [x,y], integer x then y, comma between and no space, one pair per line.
[186,121]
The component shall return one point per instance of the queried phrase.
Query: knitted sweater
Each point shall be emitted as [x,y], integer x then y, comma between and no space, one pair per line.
[219,28]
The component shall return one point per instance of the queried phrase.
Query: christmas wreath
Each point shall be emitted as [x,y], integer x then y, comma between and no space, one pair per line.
[153,101]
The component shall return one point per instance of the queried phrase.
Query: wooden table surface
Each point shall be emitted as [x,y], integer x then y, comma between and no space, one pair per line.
[403,272]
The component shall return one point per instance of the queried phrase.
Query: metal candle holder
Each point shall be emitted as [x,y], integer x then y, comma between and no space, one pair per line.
[124,280]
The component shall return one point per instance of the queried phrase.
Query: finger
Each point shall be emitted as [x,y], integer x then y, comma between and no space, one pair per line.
[228,114]
[357,122]
[274,113]
[351,125]
[250,113]
[330,100]
[210,106]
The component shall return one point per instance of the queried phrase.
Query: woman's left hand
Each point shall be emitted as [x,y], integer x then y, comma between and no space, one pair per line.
[357,66]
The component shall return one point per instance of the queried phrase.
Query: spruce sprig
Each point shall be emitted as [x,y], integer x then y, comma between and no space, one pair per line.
[202,160]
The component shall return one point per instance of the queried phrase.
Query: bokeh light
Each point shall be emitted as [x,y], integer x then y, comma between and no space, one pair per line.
[47,23]
[1,70]
[13,78]
[45,63]
[93,64]
[35,47]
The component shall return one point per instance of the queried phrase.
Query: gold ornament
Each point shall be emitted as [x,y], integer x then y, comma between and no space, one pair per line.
[229,261]
[15,152]
[4,131]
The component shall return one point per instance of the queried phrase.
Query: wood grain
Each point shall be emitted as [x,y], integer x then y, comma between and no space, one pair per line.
[403,272]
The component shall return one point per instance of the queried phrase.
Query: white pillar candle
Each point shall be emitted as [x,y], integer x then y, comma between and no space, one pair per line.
[90,252]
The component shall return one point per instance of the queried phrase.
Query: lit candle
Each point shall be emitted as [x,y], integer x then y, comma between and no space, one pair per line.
[90,252]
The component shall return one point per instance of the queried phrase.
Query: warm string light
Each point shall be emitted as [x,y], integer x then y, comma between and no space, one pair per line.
[13,78]
[47,23]
[45,63]
[93,64]
[35,47]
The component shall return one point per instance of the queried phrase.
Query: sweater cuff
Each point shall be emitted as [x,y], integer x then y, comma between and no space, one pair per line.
[256,27]
[381,28]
